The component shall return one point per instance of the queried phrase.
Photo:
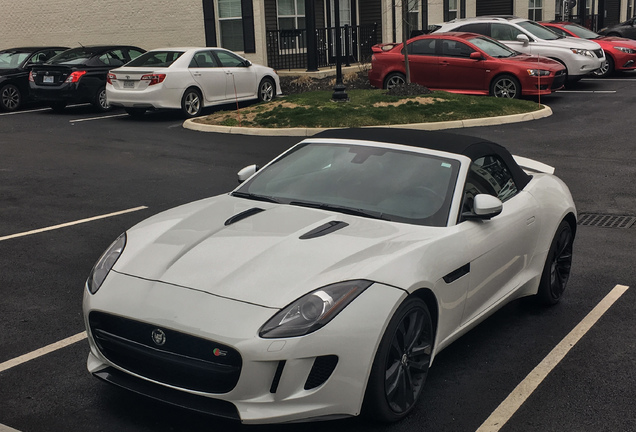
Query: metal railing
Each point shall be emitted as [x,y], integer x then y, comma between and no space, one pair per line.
[287,49]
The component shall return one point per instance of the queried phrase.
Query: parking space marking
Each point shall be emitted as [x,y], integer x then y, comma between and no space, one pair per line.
[609,79]
[586,91]
[96,118]
[42,351]
[24,112]
[4,428]
[77,222]
[522,392]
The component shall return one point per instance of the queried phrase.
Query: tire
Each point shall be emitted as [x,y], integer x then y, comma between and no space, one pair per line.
[100,102]
[58,107]
[266,90]
[401,363]
[191,105]
[393,80]
[606,69]
[10,98]
[135,112]
[505,86]
[556,271]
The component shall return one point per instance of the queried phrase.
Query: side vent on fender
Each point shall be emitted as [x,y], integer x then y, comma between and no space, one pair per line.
[243,215]
[325,229]
[456,274]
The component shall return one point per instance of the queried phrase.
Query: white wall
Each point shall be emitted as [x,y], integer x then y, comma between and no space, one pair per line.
[142,23]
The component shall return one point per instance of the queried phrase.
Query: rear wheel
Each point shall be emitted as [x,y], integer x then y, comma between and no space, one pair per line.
[401,363]
[606,69]
[100,101]
[266,90]
[558,263]
[136,112]
[505,86]
[10,98]
[191,104]
[393,80]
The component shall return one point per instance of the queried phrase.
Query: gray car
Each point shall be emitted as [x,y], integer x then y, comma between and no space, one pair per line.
[625,29]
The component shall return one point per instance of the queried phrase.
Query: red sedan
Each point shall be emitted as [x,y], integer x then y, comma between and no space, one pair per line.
[620,53]
[466,63]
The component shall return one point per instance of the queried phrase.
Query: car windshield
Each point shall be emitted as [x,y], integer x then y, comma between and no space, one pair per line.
[73,56]
[492,47]
[581,32]
[538,30]
[156,59]
[367,181]
[12,59]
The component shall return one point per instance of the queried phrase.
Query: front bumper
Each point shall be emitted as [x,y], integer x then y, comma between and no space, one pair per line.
[274,383]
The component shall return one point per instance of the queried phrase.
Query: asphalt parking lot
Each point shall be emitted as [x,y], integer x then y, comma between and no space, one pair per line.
[70,183]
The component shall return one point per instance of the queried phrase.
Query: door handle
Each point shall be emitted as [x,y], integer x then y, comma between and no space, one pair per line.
[196,74]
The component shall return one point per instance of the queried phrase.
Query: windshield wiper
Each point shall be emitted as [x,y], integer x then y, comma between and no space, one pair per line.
[341,209]
[255,197]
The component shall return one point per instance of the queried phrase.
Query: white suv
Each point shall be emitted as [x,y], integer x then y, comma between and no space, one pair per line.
[581,57]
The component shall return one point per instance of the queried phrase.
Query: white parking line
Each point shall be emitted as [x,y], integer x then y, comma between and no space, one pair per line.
[42,351]
[609,79]
[508,407]
[96,118]
[4,428]
[24,112]
[77,222]
[586,91]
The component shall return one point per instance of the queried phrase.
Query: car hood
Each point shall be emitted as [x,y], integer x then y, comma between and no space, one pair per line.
[533,61]
[570,42]
[261,259]
[629,43]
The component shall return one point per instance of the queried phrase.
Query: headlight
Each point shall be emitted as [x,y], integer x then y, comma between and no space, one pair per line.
[538,72]
[626,50]
[582,52]
[105,263]
[314,310]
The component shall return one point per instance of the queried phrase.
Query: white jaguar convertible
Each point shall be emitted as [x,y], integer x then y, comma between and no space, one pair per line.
[326,283]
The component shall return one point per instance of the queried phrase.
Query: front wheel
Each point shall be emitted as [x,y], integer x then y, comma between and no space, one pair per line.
[505,86]
[394,80]
[401,363]
[191,103]
[266,90]
[606,69]
[10,98]
[558,263]
[100,102]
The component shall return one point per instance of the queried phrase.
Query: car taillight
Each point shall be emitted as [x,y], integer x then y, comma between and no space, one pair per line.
[110,77]
[154,78]
[75,76]
[31,76]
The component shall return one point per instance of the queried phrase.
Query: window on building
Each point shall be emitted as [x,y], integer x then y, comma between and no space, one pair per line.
[231,24]
[535,10]
[291,23]
[452,9]
[413,16]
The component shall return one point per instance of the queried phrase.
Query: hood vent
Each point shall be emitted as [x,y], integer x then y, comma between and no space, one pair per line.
[325,229]
[243,215]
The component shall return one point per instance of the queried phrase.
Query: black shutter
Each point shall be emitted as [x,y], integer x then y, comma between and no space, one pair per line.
[249,40]
[209,23]
[494,7]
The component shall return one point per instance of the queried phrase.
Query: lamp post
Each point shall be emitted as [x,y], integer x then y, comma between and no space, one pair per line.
[339,90]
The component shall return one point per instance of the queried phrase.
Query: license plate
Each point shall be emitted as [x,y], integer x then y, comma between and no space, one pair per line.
[129,84]
[48,79]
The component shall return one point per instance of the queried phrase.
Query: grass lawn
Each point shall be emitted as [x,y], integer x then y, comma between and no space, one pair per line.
[366,108]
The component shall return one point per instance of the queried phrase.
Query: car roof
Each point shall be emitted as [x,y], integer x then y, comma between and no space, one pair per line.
[470,146]
[32,49]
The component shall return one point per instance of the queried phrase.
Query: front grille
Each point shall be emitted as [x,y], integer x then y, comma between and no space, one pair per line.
[599,53]
[321,371]
[181,360]
[559,80]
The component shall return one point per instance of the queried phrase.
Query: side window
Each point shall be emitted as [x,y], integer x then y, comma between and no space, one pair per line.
[133,53]
[504,32]
[479,28]
[40,57]
[111,58]
[488,175]
[204,59]
[559,31]
[228,59]
[422,47]
[451,48]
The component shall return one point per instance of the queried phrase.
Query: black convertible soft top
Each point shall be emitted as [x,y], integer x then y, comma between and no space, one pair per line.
[472,147]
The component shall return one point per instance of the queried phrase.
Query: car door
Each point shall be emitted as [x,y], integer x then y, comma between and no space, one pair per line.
[211,77]
[507,34]
[241,80]
[424,62]
[457,71]
[500,248]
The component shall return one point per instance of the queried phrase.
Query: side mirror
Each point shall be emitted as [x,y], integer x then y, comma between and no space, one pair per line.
[247,63]
[476,55]
[484,207]
[246,173]
[523,38]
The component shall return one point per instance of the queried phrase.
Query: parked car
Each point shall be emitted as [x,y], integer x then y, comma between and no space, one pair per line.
[15,64]
[580,57]
[79,75]
[620,53]
[189,79]
[625,29]
[327,282]
[465,63]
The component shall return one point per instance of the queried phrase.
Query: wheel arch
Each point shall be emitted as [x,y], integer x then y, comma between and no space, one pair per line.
[388,74]
[505,73]
[429,298]
[571,219]
[195,87]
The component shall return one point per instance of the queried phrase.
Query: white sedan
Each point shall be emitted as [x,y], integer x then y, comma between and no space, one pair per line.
[327,282]
[188,79]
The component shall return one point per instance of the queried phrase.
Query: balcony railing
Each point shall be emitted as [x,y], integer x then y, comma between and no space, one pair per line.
[287,49]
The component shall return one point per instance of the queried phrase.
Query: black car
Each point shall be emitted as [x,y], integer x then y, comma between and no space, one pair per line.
[625,29]
[15,64]
[79,75]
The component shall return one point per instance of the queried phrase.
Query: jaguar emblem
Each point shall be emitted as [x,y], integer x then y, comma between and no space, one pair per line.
[158,337]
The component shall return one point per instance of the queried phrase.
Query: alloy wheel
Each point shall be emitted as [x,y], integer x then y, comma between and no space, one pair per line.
[266,91]
[394,81]
[561,263]
[192,103]
[505,88]
[10,98]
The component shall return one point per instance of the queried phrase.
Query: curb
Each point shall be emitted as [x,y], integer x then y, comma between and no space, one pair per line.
[486,121]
